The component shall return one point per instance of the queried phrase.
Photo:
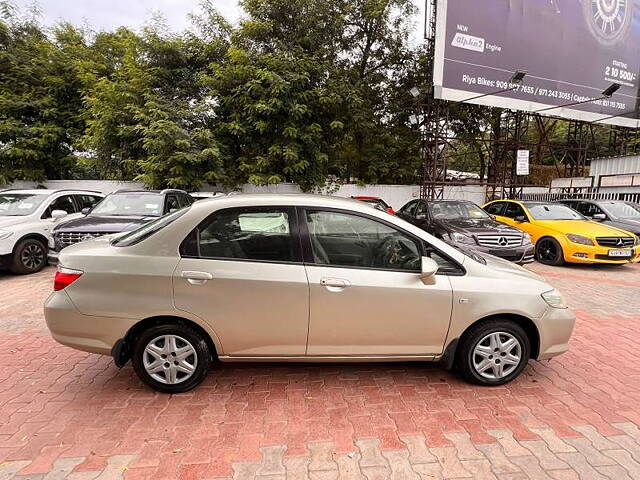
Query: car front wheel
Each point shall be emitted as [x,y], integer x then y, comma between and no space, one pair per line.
[493,352]
[171,358]
[549,252]
[29,256]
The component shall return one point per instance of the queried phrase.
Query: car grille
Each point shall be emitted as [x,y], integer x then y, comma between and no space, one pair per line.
[64,239]
[620,242]
[500,241]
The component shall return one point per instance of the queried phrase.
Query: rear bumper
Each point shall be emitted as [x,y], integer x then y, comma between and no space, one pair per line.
[83,332]
[556,327]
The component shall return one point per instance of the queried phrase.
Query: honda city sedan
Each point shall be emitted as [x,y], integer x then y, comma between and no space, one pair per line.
[298,278]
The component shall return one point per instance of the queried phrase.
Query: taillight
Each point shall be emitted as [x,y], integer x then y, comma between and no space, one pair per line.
[65,277]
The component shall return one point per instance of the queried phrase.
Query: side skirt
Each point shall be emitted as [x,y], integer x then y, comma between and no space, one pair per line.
[330,358]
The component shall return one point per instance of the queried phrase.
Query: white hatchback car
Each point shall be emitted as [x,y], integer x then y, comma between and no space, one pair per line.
[298,278]
[27,218]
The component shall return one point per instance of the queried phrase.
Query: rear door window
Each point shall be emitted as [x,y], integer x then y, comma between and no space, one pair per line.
[246,234]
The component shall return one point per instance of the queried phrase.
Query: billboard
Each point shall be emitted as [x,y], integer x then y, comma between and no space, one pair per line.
[572,51]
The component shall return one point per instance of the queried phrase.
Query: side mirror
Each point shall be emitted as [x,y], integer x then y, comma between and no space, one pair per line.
[598,217]
[492,216]
[85,210]
[58,214]
[428,270]
[521,219]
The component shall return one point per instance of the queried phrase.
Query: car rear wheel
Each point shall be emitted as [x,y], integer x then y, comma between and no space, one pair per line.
[549,252]
[171,358]
[493,352]
[29,256]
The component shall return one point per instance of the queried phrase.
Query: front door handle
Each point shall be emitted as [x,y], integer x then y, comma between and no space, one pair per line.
[335,284]
[197,278]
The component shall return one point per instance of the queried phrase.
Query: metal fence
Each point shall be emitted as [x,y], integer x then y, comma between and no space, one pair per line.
[594,195]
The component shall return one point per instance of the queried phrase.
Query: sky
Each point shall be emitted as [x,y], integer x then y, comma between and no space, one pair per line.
[110,14]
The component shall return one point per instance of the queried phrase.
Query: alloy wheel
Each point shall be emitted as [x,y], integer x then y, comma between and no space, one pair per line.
[32,256]
[497,355]
[170,359]
[547,251]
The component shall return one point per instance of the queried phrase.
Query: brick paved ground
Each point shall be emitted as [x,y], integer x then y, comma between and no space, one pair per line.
[67,414]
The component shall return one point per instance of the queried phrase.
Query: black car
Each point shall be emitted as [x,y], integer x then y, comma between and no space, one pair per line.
[616,213]
[118,212]
[464,224]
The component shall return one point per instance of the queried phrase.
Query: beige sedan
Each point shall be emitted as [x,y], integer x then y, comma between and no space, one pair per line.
[298,278]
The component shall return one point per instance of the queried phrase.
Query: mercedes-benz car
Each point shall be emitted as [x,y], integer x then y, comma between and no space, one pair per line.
[561,234]
[465,225]
[298,278]
[120,211]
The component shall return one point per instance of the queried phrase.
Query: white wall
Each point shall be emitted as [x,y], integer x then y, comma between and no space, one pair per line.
[394,195]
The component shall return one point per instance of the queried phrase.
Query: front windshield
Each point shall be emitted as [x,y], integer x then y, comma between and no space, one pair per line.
[19,204]
[621,210]
[552,211]
[457,210]
[130,204]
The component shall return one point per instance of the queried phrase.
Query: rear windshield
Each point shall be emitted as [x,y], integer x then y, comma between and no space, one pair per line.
[148,229]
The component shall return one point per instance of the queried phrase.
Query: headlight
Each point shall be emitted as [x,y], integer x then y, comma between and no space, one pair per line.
[526,239]
[554,299]
[581,239]
[637,242]
[5,234]
[461,238]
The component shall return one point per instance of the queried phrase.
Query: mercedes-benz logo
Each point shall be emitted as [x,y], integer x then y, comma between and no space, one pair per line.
[620,242]
[503,242]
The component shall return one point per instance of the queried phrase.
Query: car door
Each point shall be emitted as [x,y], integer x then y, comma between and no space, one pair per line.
[241,271]
[366,296]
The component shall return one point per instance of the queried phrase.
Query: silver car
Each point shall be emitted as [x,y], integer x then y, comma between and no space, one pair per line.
[298,278]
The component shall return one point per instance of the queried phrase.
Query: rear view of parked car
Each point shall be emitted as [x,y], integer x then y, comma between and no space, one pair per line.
[298,278]
[465,225]
[121,211]
[27,218]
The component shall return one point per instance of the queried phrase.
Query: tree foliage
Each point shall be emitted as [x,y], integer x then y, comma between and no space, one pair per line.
[298,91]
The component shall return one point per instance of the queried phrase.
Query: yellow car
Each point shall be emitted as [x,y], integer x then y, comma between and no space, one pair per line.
[561,234]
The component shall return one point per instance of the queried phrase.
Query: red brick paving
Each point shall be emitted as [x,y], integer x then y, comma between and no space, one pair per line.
[58,405]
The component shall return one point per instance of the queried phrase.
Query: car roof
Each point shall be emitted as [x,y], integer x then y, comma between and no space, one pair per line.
[46,191]
[268,199]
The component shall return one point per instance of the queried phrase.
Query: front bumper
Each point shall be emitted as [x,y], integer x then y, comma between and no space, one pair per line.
[520,255]
[555,327]
[53,256]
[83,332]
[576,253]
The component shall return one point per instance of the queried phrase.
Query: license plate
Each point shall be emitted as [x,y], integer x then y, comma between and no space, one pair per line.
[619,253]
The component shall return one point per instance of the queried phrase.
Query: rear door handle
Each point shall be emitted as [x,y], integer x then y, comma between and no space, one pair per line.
[197,278]
[335,284]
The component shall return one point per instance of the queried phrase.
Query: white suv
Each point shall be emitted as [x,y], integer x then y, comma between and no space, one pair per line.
[27,218]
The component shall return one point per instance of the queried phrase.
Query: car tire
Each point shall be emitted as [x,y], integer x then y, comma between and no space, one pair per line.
[171,366]
[549,252]
[482,361]
[29,256]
